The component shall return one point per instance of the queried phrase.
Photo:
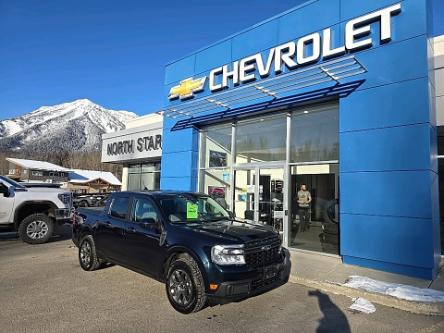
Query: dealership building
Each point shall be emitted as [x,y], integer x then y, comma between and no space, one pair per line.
[138,148]
[344,96]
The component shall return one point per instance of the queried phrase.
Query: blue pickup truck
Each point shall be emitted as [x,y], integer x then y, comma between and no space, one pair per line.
[186,240]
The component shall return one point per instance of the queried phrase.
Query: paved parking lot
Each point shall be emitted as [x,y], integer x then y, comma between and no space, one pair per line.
[43,289]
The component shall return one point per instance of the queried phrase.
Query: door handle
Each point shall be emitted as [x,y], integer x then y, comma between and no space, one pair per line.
[131,229]
[108,223]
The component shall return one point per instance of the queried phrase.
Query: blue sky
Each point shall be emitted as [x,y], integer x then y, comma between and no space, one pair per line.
[112,52]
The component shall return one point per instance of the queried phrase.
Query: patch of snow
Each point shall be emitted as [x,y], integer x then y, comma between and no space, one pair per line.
[401,291]
[86,176]
[37,165]
[12,127]
[362,305]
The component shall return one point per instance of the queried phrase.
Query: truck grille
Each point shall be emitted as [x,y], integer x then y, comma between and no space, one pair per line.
[262,252]
[256,284]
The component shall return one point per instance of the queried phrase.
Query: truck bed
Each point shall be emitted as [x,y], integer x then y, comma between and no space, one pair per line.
[89,212]
[89,209]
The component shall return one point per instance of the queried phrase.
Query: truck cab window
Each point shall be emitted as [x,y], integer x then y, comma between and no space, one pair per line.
[119,207]
[144,211]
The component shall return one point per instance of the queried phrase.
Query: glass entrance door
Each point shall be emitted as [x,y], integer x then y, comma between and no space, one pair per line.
[259,195]
[314,208]
[245,195]
[271,197]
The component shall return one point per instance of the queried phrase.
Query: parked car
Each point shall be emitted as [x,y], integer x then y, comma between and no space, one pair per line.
[33,211]
[84,200]
[90,200]
[101,200]
[186,240]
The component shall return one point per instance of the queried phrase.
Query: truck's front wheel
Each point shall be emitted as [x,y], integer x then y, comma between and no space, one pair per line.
[185,285]
[36,229]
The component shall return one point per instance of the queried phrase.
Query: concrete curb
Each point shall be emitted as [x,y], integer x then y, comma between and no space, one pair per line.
[430,309]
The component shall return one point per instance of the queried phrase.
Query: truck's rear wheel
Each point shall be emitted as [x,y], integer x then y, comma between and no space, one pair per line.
[185,285]
[87,254]
[36,228]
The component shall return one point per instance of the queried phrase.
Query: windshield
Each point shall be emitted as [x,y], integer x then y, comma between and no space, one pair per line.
[11,182]
[193,209]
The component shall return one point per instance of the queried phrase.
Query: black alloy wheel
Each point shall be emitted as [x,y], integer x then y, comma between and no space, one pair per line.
[185,285]
[87,254]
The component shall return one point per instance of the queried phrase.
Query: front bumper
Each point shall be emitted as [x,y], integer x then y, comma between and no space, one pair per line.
[63,215]
[265,279]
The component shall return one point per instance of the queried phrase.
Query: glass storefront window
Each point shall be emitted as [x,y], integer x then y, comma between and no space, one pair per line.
[261,139]
[144,177]
[134,168]
[134,182]
[150,167]
[315,134]
[217,143]
[149,181]
[261,192]
[216,183]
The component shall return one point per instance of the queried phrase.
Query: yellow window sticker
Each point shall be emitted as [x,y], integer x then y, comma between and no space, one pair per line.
[192,210]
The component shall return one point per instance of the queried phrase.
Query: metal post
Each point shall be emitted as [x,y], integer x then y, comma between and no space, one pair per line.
[287,186]
[233,162]
[256,194]
[201,161]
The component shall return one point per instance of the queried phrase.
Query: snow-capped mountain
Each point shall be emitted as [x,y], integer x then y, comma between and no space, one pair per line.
[74,126]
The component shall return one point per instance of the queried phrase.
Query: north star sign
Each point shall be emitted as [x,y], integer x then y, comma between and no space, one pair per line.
[292,54]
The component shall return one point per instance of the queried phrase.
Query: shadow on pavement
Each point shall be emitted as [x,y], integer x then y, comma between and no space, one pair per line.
[334,319]
[61,232]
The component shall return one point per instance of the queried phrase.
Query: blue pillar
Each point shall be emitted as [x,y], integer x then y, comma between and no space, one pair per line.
[179,158]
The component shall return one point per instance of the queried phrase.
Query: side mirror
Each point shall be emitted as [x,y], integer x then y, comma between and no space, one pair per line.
[5,191]
[231,214]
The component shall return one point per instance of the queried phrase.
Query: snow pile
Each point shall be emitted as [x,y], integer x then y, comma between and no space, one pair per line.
[401,291]
[362,305]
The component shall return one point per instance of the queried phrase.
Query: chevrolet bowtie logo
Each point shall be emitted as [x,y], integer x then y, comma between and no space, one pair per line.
[187,88]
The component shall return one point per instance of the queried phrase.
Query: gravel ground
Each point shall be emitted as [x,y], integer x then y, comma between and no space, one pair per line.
[43,289]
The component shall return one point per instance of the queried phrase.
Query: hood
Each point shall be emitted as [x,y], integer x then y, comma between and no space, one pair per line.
[235,230]
[46,190]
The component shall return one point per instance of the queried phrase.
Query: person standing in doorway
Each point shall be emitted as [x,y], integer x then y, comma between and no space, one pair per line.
[304,200]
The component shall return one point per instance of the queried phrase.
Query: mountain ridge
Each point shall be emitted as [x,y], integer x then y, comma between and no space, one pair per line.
[72,126]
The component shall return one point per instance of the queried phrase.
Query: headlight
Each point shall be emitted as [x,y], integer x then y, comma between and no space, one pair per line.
[228,255]
[65,198]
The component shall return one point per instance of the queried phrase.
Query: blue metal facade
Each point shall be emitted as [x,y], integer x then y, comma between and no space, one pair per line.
[388,166]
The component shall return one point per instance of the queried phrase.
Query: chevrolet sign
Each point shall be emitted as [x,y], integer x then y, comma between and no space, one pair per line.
[304,51]
[186,88]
